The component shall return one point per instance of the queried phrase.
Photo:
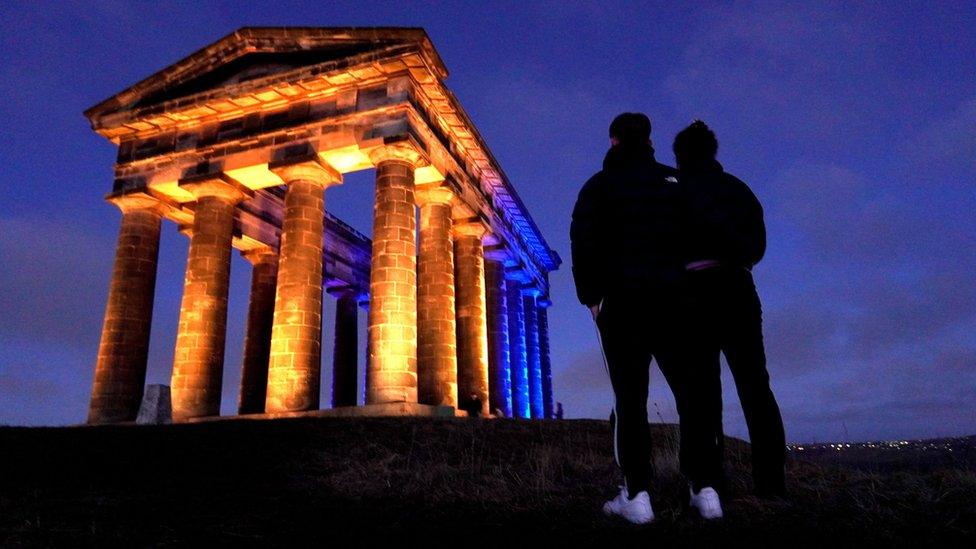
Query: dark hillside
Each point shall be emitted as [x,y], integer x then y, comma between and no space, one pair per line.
[459,481]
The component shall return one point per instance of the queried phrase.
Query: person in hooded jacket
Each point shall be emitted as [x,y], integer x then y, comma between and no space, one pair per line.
[725,238]
[628,265]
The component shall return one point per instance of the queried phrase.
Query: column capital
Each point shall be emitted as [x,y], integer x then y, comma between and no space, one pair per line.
[531,290]
[136,201]
[314,170]
[496,252]
[260,254]
[433,193]
[471,226]
[185,229]
[218,186]
[517,273]
[404,151]
[544,303]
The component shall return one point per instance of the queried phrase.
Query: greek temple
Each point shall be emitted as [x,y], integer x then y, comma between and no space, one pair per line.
[237,145]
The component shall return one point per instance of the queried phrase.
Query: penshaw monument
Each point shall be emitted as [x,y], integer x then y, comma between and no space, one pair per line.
[237,145]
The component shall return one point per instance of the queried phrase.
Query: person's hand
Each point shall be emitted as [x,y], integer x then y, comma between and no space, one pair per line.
[595,309]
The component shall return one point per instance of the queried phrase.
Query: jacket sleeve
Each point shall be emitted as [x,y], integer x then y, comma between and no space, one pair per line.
[751,230]
[584,235]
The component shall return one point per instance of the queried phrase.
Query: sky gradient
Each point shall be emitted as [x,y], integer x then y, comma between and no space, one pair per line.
[855,127]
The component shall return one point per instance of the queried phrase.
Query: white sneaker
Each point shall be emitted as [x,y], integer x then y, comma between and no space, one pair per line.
[637,510]
[706,501]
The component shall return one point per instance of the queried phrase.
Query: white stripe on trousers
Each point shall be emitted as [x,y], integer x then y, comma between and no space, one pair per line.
[616,416]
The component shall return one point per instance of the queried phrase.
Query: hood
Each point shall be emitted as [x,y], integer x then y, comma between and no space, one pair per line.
[628,154]
[708,167]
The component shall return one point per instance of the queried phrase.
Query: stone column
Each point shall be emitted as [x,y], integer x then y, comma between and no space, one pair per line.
[499,369]
[392,324]
[120,370]
[532,351]
[294,368]
[366,360]
[519,360]
[198,361]
[437,356]
[544,357]
[257,336]
[344,353]
[472,320]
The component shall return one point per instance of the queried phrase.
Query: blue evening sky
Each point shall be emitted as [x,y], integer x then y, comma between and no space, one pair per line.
[855,125]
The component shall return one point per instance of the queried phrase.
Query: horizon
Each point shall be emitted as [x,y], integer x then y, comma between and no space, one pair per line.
[853,126]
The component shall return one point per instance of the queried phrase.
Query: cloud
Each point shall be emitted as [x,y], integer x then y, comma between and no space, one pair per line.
[800,337]
[52,272]
[583,386]
[948,140]
[760,68]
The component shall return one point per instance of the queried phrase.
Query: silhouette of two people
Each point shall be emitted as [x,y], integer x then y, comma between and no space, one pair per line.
[662,258]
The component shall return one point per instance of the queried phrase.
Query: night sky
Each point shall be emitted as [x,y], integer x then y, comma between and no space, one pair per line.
[855,127]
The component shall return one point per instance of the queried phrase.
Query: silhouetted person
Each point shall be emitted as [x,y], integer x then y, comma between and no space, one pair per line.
[726,238]
[624,234]
[472,405]
[559,410]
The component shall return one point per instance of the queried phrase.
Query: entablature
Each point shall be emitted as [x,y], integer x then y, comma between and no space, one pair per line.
[339,109]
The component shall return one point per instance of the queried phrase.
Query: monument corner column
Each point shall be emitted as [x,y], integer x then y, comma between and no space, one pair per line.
[392,324]
[123,349]
[437,346]
[198,360]
[295,359]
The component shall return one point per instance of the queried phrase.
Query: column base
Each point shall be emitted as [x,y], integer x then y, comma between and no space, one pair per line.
[387,409]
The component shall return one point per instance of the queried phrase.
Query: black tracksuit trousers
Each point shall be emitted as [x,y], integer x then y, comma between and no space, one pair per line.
[635,327]
[723,314]
[685,328]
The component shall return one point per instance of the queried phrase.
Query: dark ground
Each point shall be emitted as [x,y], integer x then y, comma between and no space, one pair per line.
[444,482]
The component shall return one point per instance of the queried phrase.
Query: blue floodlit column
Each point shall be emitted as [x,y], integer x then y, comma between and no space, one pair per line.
[544,357]
[533,362]
[499,368]
[519,360]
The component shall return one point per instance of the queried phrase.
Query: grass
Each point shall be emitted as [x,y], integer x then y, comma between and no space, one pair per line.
[442,481]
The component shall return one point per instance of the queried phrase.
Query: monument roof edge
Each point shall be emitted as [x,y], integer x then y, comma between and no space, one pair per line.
[256,39]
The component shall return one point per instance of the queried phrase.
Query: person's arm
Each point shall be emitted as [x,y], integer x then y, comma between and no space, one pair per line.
[750,232]
[584,236]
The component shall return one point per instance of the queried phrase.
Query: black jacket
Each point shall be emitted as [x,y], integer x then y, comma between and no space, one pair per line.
[626,226]
[725,219]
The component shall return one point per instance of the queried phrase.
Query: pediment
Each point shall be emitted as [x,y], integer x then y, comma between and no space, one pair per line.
[256,52]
